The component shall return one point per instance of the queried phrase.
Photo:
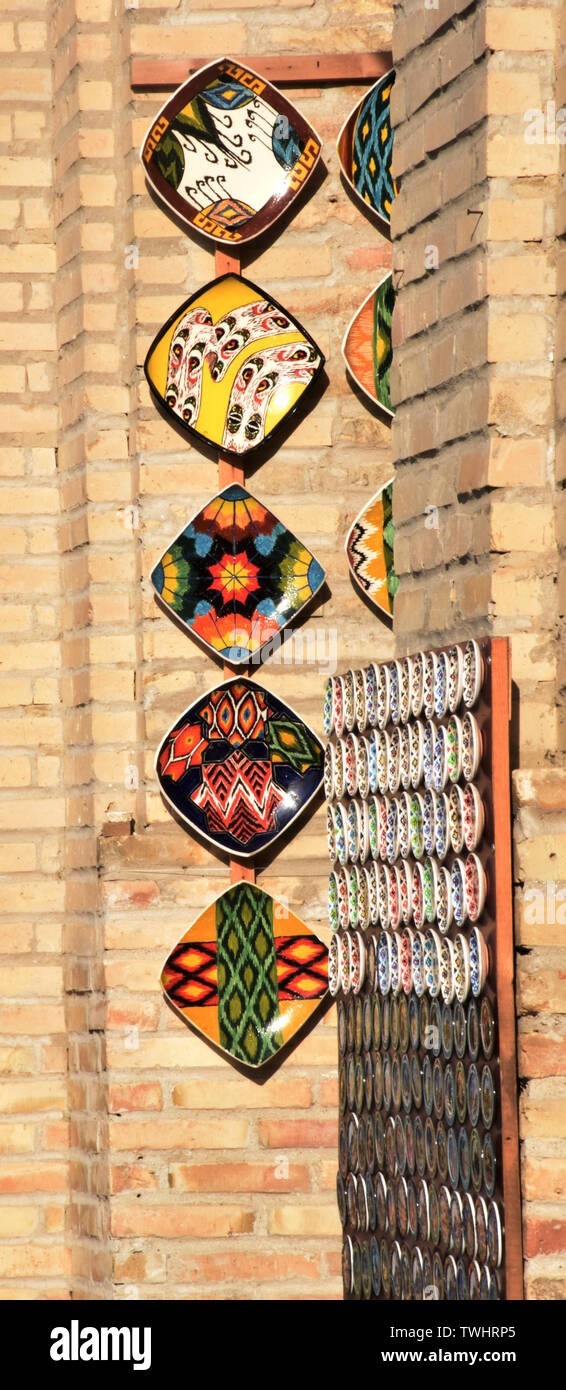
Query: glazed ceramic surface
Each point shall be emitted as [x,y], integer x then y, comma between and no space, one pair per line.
[365,149]
[239,766]
[231,365]
[228,154]
[235,576]
[367,349]
[369,550]
[247,975]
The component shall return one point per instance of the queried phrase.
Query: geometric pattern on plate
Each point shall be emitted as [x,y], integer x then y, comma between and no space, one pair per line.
[231,365]
[235,576]
[369,549]
[365,148]
[239,766]
[227,153]
[366,347]
[247,974]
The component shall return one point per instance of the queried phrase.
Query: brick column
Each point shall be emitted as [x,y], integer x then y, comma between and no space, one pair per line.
[479,462]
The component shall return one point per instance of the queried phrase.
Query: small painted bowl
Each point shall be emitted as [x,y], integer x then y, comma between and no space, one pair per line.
[382,756]
[333,900]
[429,820]
[461,968]
[372,764]
[476,886]
[455,677]
[457,883]
[417,691]
[345,977]
[416,825]
[340,817]
[394,691]
[441,686]
[349,700]
[328,707]
[392,832]
[473,674]
[442,826]
[353,830]
[351,764]
[338,705]
[371,694]
[418,896]
[357,961]
[429,683]
[431,962]
[343,897]
[334,965]
[340,769]
[416,732]
[330,836]
[440,763]
[383,696]
[454,741]
[364,832]
[373,894]
[405,756]
[353,879]
[405,885]
[394,762]
[373,826]
[383,876]
[474,816]
[429,744]
[444,912]
[471,746]
[430,877]
[360,706]
[362,767]
[418,964]
[447,970]
[328,772]
[363,899]
[403,824]
[383,810]
[394,898]
[384,962]
[395,963]
[479,961]
[456,819]
[405,688]
[406,959]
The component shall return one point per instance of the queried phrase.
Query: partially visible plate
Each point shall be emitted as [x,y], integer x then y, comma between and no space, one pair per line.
[365,150]
[366,347]
[228,154]
[369,548]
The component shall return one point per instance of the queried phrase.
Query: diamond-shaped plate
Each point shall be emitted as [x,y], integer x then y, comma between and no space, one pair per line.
[248,974]
[239,766]
[235,576]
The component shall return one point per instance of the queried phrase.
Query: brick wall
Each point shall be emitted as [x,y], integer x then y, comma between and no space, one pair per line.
[477,443]
[135,1163]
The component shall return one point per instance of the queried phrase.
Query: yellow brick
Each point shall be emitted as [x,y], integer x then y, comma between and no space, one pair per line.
[29,125]
[523,29]
[517,337]
[7,38]
[15,771]
[43,335]
[9,213]
[95,96]
[518,527]
[20,171]
[32,36]
[37,213]
[25,1097]
[12,379]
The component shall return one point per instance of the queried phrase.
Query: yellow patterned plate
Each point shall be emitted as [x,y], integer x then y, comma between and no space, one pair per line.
[369,548]
[231,366]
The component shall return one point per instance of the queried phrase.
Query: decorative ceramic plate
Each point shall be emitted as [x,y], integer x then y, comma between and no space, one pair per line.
[235,576]
[369,549]
[228,154]
[231,365]
[247,974]
[366,347]
[365,149]
[239,766]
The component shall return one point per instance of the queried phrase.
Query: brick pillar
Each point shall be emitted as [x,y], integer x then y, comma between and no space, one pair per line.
[479,456]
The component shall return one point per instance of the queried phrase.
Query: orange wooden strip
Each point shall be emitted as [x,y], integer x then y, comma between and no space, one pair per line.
[285,68]
[500,774]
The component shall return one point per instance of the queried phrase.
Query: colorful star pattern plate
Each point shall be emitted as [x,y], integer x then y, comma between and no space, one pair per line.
[231,365]
[365,149]
[236,576]
[239,766]
[247,974]
[228,154]
[366,348]
[369,548]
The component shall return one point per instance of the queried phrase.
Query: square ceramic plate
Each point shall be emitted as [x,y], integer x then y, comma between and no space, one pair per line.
[367,349]
[228,154]
[369,550]
[247,974]
[365,150]
[231,365]
[239,766]
[235,576]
